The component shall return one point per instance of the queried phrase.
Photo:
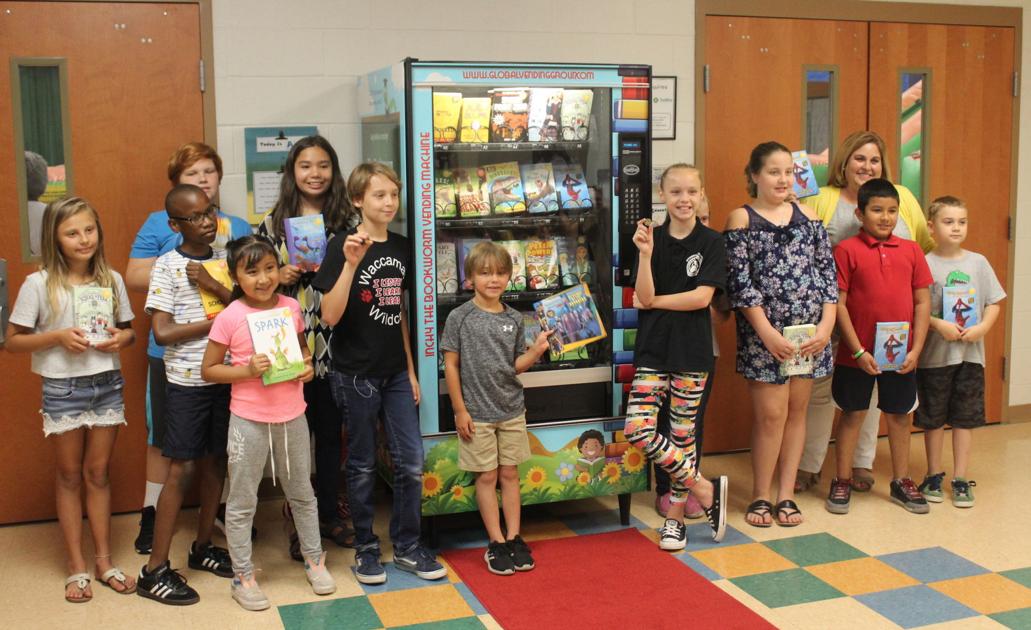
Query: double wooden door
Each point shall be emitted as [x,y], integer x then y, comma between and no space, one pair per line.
[757,71]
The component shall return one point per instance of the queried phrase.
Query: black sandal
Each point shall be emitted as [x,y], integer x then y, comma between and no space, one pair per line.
[716,513]
[786,508]
[338,532]
[761,508]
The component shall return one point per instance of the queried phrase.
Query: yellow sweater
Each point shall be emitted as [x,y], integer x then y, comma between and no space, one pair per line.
[824,203]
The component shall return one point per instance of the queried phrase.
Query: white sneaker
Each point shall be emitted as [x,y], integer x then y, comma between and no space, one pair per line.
[248,594]
[322,583]
[672,535]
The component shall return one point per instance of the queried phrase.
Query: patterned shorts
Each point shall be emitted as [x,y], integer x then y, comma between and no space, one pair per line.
[952,395]
[82,402]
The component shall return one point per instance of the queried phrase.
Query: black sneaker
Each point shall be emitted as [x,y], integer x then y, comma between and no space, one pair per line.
[840,497]
[421,562]
[905,493]
[520,551]
[672,535]
[499,559]
[211,558]
[220,522]
[717,512]
[146,538]
[165,585]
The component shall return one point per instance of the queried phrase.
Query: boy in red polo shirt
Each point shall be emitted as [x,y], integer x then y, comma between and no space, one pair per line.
[881,278]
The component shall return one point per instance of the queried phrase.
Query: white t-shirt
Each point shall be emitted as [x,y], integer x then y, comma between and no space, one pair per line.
[173,293]
[32,310]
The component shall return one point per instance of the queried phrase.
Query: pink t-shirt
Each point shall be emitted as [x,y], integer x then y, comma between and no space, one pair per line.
[252,399]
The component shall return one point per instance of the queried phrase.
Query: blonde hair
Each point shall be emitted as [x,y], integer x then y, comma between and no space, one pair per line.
[677,166]
[361,178]
[488,255]
[851,144]
[946,201]
[53,261]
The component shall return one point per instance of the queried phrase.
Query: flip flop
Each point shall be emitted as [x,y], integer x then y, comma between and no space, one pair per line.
[760,508]
[81,582]
[116,574]
[862,480]
[786,508]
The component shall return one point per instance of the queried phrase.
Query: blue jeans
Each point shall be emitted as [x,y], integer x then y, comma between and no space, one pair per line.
[362,401]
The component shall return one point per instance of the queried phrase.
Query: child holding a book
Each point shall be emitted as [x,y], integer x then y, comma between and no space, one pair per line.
[313,192]
[781,276]
[680,266]
[484,348]
[196,412]
[82,380]
[265,419]
[883,284]
[363,279]
[950,376]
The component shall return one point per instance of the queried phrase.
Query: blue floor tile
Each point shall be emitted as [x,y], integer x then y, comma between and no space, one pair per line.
[699,537]
[916,606]
[695,565]
[597,522]
[464,538]
[470,599]
[932,564]
[398,580]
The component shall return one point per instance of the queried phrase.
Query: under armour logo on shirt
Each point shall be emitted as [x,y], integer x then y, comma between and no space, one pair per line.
[508,327]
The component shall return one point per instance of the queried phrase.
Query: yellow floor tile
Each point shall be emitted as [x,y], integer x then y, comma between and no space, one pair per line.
[987,594]
[738,560]
[420,605]
[452,575]
[861,575]
[651,534]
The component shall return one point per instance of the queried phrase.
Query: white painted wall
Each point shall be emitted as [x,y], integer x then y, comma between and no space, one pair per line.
[282,63]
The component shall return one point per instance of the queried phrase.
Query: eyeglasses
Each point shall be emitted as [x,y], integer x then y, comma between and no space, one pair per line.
[198,219]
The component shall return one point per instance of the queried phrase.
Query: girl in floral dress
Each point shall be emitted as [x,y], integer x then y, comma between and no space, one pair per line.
[780,273]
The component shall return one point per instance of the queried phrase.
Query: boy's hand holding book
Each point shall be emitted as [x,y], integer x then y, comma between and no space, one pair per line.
[974,333]
[464,425]
[72,339]
[950,331]
[909,363]
[259,364]
[868,364]
[541,343]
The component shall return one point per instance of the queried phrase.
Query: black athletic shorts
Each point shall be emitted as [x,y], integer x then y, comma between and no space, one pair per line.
[196,421]
[852,388]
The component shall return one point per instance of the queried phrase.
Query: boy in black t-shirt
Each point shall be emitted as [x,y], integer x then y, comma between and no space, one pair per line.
[681,265]
[363,279]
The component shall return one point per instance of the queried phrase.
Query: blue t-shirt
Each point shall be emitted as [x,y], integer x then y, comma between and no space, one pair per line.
[156,238]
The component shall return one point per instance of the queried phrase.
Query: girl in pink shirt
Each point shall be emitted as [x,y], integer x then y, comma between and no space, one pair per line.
[264,419]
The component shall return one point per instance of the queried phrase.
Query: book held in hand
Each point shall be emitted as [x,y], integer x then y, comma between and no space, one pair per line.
[93,309]
[798,364]
[891,344]
[274,335]
[804,180]
[574,317]
[218,269]
[306,241]
[959,305]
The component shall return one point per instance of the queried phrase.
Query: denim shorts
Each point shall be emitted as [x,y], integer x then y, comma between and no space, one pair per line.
[82,401]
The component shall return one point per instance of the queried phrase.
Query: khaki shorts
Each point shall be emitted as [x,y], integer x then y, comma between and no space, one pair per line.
[493,444]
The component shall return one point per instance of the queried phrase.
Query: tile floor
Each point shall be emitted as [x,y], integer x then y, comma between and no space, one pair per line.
[878,567]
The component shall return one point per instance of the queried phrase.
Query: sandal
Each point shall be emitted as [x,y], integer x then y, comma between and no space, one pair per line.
[116,574]
[862,480]
[761,508]
[804,480]
[81,582]
[339,533]
[786,509]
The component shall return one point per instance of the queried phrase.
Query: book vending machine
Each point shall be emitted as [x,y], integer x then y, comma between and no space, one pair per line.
[552,162]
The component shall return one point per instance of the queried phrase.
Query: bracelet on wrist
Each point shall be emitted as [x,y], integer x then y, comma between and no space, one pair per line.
[859,353]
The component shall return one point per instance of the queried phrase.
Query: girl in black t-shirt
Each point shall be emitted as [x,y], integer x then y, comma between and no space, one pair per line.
[680,267]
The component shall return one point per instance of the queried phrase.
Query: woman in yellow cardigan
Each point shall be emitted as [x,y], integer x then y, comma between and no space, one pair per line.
[860,158]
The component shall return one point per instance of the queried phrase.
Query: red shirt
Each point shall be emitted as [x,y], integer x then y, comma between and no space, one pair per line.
[879,277]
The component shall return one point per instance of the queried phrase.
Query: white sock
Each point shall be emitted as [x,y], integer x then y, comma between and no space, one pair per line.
[150,498]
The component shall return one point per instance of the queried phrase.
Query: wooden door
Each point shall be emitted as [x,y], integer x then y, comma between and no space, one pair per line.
[134,96]
[967,124]
[756,73]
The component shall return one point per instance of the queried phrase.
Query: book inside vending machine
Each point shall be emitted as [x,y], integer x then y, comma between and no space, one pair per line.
[551,162]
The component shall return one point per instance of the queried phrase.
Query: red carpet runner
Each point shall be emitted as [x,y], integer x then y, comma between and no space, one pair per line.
[613,580]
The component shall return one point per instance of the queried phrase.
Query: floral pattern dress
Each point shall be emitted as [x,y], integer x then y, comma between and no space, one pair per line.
[787,270]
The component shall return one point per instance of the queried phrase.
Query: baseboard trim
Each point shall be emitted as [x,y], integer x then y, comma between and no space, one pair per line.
[1018,413]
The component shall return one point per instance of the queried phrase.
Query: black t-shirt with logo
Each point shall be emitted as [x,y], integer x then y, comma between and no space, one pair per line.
[367,340]
[681,341]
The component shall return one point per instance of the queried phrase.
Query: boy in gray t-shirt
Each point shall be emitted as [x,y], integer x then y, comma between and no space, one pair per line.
[484,350]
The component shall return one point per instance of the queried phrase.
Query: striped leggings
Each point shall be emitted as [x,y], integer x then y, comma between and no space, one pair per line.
[675,455]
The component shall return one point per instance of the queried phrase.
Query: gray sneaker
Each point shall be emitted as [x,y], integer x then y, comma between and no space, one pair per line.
[322,583]
[931,488]
[962,495]
[247,593]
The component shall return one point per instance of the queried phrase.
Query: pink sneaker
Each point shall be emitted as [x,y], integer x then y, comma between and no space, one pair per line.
[693,509]
[662,503]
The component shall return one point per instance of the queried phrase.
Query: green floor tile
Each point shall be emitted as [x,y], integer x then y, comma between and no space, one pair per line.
[354,613]
[1022,576]
[814,549]
[465,623]
[1016,619]
[786,588]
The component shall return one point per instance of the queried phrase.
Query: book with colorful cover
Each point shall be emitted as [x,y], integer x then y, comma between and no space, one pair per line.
[505,188]
[306,241]
[463,247]
[471,191]
[93,309]
[544,123]
[475,120]
[572,186]
[274,335]
[509,114]
[446,201]
[218,269]
[517,251]
[891,344]
[539,187]
[531,328]
[574,317]
[959,305]
[541,264]
[574,261]
[447,268]
[447,107]
[804,181]
[576,114]
[798,364]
